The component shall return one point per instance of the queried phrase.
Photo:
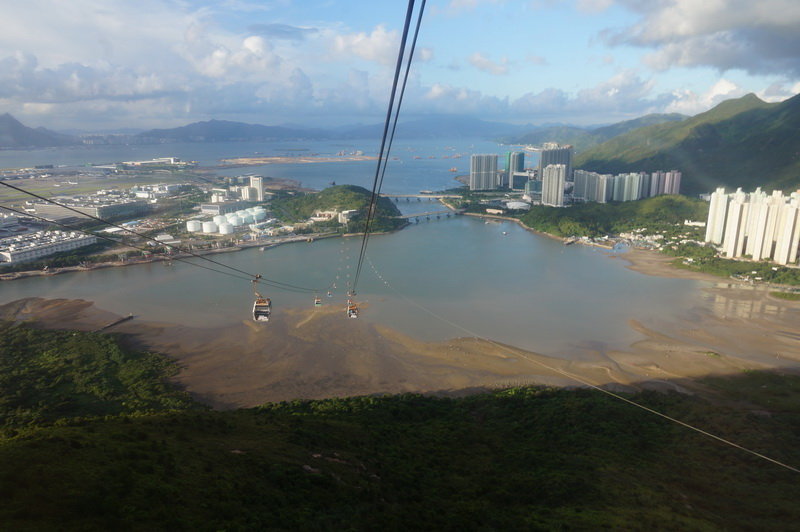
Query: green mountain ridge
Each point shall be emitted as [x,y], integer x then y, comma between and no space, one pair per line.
[743,142]
[585,138]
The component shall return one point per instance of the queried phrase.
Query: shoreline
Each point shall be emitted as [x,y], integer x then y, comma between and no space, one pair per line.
[317,353]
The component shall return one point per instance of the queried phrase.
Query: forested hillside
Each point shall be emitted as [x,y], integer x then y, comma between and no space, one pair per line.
[94,438]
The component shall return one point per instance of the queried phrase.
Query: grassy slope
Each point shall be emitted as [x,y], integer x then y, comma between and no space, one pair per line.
[517,459]
[742,142]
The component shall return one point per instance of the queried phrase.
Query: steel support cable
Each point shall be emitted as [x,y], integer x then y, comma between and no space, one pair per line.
[398,67]
[583,381]
[260,278]
[391,137]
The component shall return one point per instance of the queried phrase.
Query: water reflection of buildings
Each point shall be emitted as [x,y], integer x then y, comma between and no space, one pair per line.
[746,302]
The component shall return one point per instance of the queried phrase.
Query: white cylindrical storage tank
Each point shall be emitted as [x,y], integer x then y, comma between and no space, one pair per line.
[248,219]
[225,228]
[220,219]
[260,215]
[194,226]
[251,210]
[209,227]
[235,221]
[241,214]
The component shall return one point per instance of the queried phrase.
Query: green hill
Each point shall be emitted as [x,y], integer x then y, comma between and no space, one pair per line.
[339,197]
[741,142]
[584,138]
[519,459]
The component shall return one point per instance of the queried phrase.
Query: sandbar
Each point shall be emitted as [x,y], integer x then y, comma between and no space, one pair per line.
[319,353]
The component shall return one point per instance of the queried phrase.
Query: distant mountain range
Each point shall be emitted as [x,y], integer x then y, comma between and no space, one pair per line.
[227,131]
[13,134]
[741,142]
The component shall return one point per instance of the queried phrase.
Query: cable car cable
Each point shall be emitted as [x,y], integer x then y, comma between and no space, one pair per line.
[391,138]
[398,67]
[583,381]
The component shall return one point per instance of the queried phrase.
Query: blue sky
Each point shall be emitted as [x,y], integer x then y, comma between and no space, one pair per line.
[160,63]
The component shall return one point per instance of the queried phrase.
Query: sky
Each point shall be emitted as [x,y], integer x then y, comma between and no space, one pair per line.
[113,64]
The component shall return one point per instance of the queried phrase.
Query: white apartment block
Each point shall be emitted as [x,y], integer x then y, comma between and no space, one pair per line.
[756,225]
[553,182]
[34,246]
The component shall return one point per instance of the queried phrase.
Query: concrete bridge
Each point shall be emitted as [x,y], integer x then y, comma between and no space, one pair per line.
[420,197]
[442,212]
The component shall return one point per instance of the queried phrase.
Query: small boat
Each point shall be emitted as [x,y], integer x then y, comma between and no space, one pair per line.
[454,169]
[262,309]
[505,233]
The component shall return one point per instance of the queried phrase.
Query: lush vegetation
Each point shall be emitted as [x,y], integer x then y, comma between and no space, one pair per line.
[661,213]
[299,208]
[704,259]
[789,296]
[742,142]
[50,375]
[94,440]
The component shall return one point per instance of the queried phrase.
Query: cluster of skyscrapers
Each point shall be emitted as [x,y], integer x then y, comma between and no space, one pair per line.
[755,225]
[556,183]
[591,186]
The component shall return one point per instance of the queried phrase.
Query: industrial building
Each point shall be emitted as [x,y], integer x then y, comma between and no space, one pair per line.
[92,206]
[224,207]
[37,245]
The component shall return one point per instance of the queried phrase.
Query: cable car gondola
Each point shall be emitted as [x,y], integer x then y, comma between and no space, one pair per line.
[317,301]
[352,309]
[262,308]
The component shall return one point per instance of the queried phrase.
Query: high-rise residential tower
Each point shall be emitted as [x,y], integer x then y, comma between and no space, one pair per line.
[554,178]
[515,162]
[483,172]
[554,154]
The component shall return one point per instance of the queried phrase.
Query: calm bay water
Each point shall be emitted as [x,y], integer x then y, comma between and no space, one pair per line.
[518,288]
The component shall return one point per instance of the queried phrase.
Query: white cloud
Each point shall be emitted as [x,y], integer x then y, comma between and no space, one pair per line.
[536,59]
[483,63]
[594,6]
[380,45]
[690,103]
[760,37]
[423,55]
